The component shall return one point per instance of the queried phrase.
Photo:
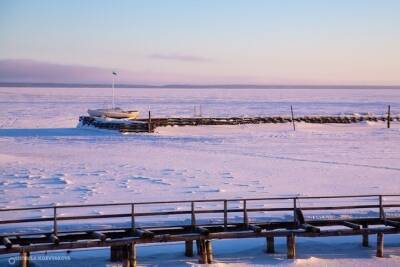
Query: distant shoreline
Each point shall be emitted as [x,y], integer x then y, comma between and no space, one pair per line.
[206,86]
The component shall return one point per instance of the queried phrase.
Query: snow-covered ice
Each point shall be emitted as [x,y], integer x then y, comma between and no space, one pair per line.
[45,159]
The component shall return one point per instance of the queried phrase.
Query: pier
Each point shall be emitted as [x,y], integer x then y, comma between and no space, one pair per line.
[230,219]
[150,124]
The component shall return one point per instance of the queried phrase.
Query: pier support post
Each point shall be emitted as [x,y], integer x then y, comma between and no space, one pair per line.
[379,245]
[189,248]
[365,242]
[291,246]
[24,262]
[118,253]
[270,244]
[202,252]
[149,129]
[209,251]
[129,259]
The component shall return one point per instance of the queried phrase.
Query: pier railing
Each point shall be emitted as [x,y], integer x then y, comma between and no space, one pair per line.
[262,208]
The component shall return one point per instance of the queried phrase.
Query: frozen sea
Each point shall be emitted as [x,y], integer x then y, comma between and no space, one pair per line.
[45,159]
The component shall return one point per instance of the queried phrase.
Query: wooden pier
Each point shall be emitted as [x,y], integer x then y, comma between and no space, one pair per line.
[299,220]
[150,124]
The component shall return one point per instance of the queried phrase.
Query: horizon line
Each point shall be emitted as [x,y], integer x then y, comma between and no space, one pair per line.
[199,86]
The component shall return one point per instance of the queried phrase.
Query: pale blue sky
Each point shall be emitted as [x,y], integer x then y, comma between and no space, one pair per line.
[254,41]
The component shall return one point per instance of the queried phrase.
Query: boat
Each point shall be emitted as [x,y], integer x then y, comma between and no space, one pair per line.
[115,113]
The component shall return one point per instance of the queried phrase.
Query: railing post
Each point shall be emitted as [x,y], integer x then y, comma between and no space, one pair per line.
[133,224]
[55,228]
[225,215]
[193,216]
[245,216]
[294,210]
[381,210]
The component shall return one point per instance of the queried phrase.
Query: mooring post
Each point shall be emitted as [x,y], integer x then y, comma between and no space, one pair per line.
[379,245]
[209,251]
[149,123]
[365,236]
[388,117]
[291,246]
[189,248]
[270,244]
[294,125]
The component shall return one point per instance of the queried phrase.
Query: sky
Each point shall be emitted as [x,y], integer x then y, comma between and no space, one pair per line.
[201,41]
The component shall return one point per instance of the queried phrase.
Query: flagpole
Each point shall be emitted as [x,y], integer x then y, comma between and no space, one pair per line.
[113,93]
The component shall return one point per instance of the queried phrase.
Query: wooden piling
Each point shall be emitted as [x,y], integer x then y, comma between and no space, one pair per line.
[202,252]
[189,248]
[294,125]
[388,117]
[270,244]
[209,251]
[365,241]
[24,260]
[149,123]
[379,245]
[118,253]
[291,246]
[132,255]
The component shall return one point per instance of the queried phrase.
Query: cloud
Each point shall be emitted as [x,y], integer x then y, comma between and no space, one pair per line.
[179,57]
[24,70]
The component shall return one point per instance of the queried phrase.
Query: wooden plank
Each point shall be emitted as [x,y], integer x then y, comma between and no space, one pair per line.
[310,228]
[98,235]
[7,242]
[351,225]
[255,228]
[392,223]
[144,233]
[201,230]
[54,239]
